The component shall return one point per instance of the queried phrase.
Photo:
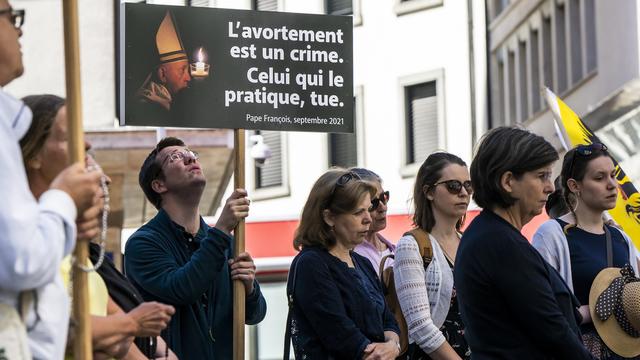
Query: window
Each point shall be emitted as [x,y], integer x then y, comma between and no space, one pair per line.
[522,78]
[501,94]
[576,41]
[408,6]
[554,46]
[270,174]
[511,79]
[204,3]
[345,149]
[339,7]
[561,49]
[499,6]
[270,179]
[265,5]
[547,53]
[424,119]
[590,35]
[534,42]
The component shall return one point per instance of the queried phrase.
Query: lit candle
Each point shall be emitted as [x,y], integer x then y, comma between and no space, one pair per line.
[200,68]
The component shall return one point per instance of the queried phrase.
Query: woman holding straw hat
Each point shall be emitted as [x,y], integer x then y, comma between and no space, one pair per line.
[577,243]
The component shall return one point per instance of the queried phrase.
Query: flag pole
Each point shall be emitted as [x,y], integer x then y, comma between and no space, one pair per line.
[82,342]
[238,248]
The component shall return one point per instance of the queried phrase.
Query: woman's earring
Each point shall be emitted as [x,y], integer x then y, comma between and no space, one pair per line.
[577,201]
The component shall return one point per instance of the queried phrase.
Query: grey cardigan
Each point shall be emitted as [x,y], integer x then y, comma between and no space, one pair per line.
[551,243]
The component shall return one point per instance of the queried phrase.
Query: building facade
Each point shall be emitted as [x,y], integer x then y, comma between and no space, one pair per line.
[420,80]
[586,51]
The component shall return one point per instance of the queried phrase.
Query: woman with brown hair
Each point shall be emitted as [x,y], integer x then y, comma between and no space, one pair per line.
[337,309]
[513,303]
[575,243]
[426,291]
[45,153]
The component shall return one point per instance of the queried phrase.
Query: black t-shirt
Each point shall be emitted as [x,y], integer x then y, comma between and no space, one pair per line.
[588,255]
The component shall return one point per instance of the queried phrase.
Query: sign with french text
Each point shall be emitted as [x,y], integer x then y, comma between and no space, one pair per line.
[222,68]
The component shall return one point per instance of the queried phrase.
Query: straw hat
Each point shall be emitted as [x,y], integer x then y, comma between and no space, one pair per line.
[614,304]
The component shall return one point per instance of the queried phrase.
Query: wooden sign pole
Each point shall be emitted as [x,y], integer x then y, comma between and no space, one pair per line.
[238,287]
[82,343]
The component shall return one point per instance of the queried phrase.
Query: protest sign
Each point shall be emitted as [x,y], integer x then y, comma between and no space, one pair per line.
[223,68]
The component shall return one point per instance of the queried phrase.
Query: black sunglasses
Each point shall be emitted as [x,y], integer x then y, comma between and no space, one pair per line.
[454,187]
[375,202]
[342,181]
[586,150]
[15,16]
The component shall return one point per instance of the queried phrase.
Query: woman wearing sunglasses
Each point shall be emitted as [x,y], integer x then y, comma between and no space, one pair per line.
[513,303]
[337,309]
[375,246]
[575,243]
[427,296]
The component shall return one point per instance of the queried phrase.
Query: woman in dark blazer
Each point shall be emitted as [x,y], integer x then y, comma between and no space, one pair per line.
[338,310]
[513,303]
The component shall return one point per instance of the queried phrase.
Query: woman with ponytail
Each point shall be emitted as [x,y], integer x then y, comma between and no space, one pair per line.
[426,291]
[575,243]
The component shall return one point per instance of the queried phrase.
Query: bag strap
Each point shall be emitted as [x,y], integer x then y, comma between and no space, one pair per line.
[287,331]
[424,244]
[607,234]
[382,263]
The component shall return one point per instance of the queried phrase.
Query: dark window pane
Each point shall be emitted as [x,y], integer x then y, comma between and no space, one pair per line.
[422,121]
[339,7]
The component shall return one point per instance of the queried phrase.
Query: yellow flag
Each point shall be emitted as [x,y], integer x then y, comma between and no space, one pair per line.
[627,210]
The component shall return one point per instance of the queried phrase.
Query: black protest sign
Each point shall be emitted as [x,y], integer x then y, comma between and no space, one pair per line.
[222,68]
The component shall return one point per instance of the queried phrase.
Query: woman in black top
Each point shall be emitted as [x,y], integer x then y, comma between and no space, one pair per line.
[338,310]
[513,303]
[575,242]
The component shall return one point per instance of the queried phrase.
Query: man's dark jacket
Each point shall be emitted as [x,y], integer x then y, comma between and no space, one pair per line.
[169,265]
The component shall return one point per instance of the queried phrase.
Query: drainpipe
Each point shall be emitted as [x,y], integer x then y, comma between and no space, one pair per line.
[472,71]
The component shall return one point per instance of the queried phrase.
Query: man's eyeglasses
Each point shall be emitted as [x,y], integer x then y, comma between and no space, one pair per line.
[454,187]
[181,156]
[586,150]
[375,202]
[15,16]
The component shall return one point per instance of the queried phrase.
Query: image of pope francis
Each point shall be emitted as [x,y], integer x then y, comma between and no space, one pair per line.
[172,73]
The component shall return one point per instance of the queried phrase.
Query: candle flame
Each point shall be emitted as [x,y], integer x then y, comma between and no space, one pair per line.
[200,56]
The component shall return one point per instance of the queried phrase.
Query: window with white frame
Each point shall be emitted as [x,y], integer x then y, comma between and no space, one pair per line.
[423,113]
[269,174]
[270,179]
[344,7]
[555,46]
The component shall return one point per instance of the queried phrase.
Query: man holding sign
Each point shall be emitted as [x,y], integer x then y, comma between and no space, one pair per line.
[35,235]
[178,259]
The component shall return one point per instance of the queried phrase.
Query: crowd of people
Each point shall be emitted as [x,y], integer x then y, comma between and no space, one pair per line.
[481,292]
